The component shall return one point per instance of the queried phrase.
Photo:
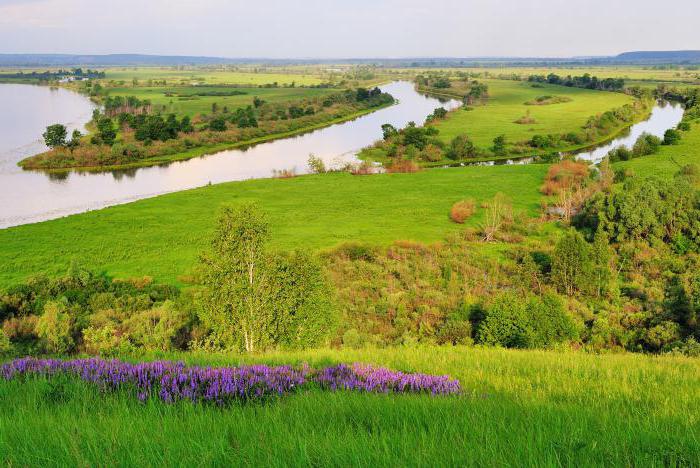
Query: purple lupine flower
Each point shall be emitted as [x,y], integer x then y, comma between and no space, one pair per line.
[173,381]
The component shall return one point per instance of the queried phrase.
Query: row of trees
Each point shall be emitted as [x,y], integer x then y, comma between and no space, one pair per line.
[584,81]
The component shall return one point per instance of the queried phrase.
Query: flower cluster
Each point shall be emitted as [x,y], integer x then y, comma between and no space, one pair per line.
[379,380]
[171,381]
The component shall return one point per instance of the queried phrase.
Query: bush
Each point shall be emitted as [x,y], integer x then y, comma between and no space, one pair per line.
[217,124]
[461,147]
[646,144]
[621,153]
[513,321]
[54,328]
[5,344]
[672,137]
[684,126]
[462,210]
[402,165]
[316,165]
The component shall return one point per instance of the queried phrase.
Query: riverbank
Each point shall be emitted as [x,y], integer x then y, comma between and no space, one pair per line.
[205,150]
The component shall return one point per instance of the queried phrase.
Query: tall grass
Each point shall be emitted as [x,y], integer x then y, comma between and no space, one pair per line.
[520,408]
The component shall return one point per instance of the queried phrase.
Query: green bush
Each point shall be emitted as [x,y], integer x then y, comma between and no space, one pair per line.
[672,137]
[54,328]
[646,144]
[5,344]
[514,321]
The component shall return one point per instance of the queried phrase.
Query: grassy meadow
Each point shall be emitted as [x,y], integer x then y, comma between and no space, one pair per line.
[506,104]
[213,75]
[519,408]
[163,236]
[669,159]
[185,100]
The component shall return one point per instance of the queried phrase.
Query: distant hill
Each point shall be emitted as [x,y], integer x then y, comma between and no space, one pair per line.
[667,56]
[67,60]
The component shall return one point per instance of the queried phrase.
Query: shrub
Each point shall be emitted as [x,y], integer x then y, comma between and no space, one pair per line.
[456,329]
[691,173]
[5,344]
[403,165]
[621,153]
[354,339]
[672,137]
[564,176]
[217,124]
[462,210]
[684,126]
[525,322]
[54,328]
[646,144]
[316,164]
[572,267]
[461,147]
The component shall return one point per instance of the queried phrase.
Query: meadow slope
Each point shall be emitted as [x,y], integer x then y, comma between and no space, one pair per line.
[163,236]
[519,408]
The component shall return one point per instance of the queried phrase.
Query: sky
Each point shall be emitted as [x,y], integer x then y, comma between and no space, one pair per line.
[350,28]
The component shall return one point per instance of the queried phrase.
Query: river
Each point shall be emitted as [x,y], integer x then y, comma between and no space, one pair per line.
[31,196]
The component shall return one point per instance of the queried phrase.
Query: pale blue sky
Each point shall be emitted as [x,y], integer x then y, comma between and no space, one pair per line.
[358,28]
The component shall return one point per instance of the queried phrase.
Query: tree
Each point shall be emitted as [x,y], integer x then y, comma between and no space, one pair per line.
[217,124]
[601,255]
[106,131]
[461,147]
[55,135]
[253,299]
[499,145]
[74,139]
[388,131]
[572,268]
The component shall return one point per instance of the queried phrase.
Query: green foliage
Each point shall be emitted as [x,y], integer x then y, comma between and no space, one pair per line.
[105,130]
[252,299]
[645,209]
[5,344]
[672,137]
[54,328]
[217,124]
[646,144]
[499,147]
[55,135]
[572,264]
[461,147]
[513,321]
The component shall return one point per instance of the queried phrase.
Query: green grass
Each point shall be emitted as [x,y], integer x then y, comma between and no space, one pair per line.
[520,408]
[202,104]
[211,76]
[507,104]
[669,159]
[163,236]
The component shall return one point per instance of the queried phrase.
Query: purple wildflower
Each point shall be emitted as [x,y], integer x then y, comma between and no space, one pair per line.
[173,381]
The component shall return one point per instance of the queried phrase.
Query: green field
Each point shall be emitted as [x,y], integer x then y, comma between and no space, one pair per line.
[669,159]
[212,76]
[185,100]
[506,104]
[519,408]
[162,236]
